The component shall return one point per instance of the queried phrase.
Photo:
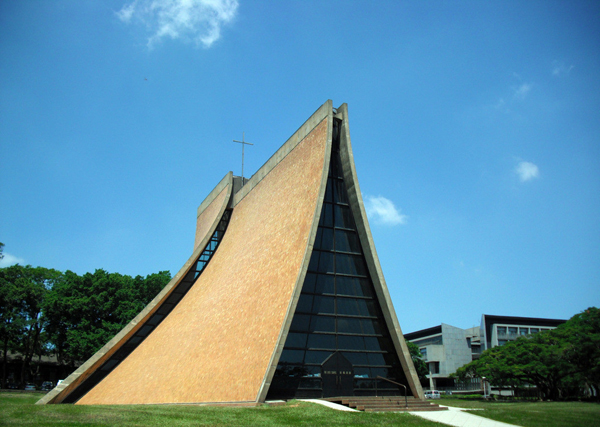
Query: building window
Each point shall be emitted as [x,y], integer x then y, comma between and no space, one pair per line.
[337,310]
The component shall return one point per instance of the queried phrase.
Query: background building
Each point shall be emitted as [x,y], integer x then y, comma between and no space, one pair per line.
[446,348]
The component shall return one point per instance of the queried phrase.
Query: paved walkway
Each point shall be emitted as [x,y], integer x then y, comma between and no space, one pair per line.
[456,417]
[453,416]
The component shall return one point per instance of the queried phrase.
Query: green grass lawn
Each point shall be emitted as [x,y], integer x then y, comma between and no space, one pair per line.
[534,414]
[19,409]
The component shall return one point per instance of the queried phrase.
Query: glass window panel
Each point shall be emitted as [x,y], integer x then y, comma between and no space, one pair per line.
[369,326]
[324,284]
[524,331]
[351,342]
[364,384]
[300,322]
[362,372]
[326,242]
[322,324]
[291,356]
[326,215]
[376,359]
[314,261]
[329,191]
[367,307]
[312,371]
[381,372]
[309,283]
[318,238]
[366,288]
[317,357]
[295,339]
[343,217]
[351,264]
[348,306]
[356,358]
[512,331]
[390,358]
[323,305]
[346,285]
[534,330]
[348,325]
[321,341]
[339,191]
[335,168]
[310,383]
[346,241]
[304,303]
[372,344]
[325,262]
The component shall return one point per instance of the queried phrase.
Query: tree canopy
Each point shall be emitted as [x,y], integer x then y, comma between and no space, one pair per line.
[44,311]
[559,362]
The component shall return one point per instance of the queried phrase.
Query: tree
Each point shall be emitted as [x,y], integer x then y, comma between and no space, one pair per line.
[1,250]
[85,312]
[417,358]
[559,362]
[22,293]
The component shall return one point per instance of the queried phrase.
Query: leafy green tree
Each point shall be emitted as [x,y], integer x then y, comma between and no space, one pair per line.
[1,250]
[22,293]
[417,358]
[85,312]
[559,362]
[581,347]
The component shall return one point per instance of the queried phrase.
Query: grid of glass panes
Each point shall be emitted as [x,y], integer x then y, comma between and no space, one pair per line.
[337,309]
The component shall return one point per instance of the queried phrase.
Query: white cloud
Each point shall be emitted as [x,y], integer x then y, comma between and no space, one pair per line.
[383,211]
[9,260]
[527,171]
[560,69]
[198,20]
[522,91]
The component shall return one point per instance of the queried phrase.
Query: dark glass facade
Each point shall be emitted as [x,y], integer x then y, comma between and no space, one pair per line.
[338,312]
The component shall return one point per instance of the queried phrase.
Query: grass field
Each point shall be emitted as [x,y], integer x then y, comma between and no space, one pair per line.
[534,414]
[19,409]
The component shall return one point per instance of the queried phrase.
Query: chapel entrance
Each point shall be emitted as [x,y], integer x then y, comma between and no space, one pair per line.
[338,376]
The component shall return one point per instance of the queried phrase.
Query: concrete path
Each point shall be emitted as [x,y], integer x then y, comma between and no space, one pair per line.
[329,404]
[456,417]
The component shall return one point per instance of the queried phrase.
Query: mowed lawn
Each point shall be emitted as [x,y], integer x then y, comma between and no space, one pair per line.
[534,414]
[19,409]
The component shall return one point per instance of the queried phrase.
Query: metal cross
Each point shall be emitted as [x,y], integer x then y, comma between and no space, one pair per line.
[243,143]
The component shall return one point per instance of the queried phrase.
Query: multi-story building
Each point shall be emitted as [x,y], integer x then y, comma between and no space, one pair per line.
[446,348]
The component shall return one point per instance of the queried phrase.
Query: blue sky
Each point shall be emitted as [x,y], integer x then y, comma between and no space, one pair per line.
[475,128]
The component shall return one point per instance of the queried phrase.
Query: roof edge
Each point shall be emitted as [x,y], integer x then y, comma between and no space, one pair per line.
[322,112]
[70,384]
[366,239]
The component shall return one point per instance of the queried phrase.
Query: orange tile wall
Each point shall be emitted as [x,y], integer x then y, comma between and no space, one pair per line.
[215,346]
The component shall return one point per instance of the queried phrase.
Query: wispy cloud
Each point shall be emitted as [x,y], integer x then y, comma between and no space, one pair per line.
[521,91]
[197,20]
[383,211]
[9,260]
[527,171]
[560,69]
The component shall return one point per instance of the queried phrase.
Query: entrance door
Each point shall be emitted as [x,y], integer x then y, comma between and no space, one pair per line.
[338,376]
